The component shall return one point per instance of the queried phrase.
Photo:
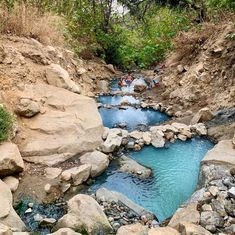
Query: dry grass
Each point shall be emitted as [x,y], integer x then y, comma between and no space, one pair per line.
[28,21]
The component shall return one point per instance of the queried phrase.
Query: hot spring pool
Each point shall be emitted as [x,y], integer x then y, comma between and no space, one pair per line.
[131,117]
[175,174]
[117,99]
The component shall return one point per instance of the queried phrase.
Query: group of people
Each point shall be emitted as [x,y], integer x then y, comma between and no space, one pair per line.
[128,79]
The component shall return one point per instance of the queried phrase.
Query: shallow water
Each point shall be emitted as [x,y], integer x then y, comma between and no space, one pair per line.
[117,99]
[128,89]
[175,174]
[55,211]
[131,117]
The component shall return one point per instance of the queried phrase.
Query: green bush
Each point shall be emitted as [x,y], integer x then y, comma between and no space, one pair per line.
[6,123]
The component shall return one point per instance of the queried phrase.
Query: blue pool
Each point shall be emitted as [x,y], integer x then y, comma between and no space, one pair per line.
[117,99]
[131,117]
[175,175]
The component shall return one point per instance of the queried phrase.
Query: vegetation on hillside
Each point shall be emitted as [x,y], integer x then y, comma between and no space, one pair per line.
[6,124]
[139,36]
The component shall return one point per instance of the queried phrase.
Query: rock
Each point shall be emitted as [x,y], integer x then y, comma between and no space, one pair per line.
[110,68]
[186,228]
[66,176]
[129,165]
[213,190]
[102,86]
[8,216]
[98,161]
[11,161]
[106,195]
[188,214]
[136,135]
[80,70]
[230,229]
[158,140]
[140,87]
[182,137]
[38,218]
[199,128]
[64,231]
[163,231]
[147,137]
[203,115]
[47,221]
[27,107]
[52,172]
[211,218]
[180,68]
[133,229]
[113,141]
[5,230]
[105,133]
[79,174]
[222,153]
[59,77]
[233,141]
[206,207]
[85,215]
[71,125]
[47,188]
[11,182]
[218,206]
[231,192]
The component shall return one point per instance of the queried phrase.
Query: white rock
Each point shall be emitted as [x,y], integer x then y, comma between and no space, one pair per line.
[64,231]
[98,161]
[80,174]
[147,137]
[66,176]
[12,182]
[47,188]
[158,140]
[10,159]
[59,77]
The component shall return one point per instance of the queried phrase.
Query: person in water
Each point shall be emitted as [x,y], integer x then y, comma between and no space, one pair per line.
[126,80]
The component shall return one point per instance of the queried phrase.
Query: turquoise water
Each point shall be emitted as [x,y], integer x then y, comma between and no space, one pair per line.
[175,173]
[117,99]
[131,117]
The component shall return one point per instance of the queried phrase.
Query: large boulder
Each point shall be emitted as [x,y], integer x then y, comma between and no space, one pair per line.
[203,115]
[27,107]
[59,77]
[158,140]
[78,174]
[113,141]
[98,161]
[187,214]
[130,166]
[69,125]
[10,159]
[186,228]
[222,153]
[64,231]
[163,231]
[85,216]
[106,195]
[8,216]
[133,229]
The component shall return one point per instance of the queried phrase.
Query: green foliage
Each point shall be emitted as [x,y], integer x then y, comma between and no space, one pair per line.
[228,4]
[6,123]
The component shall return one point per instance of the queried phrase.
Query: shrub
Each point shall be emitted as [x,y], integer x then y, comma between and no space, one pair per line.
[6,123]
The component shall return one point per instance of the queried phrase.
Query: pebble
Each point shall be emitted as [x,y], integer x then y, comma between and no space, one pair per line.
[47,221]
[213,190]
[30,205]
[206,207]
[47,188]
[29,210]
[231,192]
[38,218]
[66,176]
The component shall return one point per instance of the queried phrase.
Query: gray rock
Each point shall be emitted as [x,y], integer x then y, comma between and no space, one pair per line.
[211,218]
[231,192]
[27,107]
[131,166]
[104,194]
